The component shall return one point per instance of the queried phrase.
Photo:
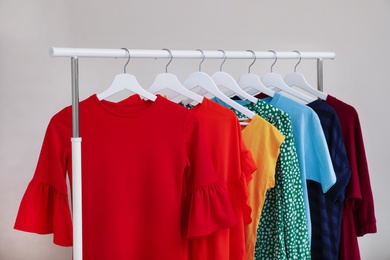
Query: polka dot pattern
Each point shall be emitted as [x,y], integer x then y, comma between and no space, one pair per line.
[282,232]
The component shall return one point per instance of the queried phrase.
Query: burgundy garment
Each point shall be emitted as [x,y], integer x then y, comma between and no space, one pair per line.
[358,213]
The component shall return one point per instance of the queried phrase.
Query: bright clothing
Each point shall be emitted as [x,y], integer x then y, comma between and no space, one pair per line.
[148,181]
[234,166]
[264,141]
[284,204]
[358,213]
[282,231]
[313,154]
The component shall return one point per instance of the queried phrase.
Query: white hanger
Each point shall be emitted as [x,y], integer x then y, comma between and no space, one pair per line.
[275,80]
[298,80]
[170,81]
[226,80]
[126,81]
[203,80]
[253,81]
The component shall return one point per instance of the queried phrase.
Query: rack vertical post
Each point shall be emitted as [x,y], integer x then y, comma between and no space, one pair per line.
[76,165]
[320,74]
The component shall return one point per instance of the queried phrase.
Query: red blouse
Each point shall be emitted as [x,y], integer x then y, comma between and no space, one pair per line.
[148,181]
[234,166]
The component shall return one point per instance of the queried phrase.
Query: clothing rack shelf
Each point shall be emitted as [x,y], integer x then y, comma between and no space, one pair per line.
[76,53]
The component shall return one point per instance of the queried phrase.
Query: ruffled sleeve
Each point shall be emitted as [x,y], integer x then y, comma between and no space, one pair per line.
[207,202]
[248,166]
[210,210]
[44,208]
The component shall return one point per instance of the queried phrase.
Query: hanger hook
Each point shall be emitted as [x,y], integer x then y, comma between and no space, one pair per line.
[254,60]
[203,57]
[276,58]
[166,66]
[300,58]
[224,59]
[128,59]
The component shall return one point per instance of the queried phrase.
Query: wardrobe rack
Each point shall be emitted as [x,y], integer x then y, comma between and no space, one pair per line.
[75,53]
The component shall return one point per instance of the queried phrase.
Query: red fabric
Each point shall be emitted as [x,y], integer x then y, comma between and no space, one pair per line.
[358,213]
[55,214]
[148,181]
[234,166]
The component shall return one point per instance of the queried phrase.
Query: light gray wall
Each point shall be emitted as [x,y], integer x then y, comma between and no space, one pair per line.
[34,86]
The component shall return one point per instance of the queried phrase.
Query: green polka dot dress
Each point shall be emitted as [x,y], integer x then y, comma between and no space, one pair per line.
[282,231]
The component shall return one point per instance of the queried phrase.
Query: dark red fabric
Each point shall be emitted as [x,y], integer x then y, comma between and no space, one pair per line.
[358,213]
[148,181]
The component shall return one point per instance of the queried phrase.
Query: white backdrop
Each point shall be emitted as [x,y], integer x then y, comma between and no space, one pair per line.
[33,86]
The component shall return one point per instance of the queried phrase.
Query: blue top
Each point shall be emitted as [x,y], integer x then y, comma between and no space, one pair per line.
[313,153]
[326,209]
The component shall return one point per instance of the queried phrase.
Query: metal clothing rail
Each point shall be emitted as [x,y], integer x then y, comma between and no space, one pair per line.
[76,53]
[184,54]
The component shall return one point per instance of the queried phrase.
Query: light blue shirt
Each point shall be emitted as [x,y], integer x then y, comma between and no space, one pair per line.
[314,159]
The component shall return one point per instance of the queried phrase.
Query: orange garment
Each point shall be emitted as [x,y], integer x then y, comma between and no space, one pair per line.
[263,140]
[234,165]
